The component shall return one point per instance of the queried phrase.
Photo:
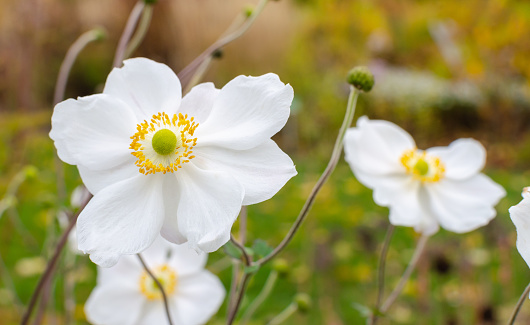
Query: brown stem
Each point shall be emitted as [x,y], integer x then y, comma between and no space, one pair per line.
[127,32]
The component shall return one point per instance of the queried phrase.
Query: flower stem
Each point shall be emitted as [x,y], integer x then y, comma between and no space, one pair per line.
[186,75]
[160,287]
[406,275]
[246,258]
[381,272]
[141,31]
[239,296]
[265,292]
[522,299]
[51,265]
[127,32]
[286,313]
[337,150]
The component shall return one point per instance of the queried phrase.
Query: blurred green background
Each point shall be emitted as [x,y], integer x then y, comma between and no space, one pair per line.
[444,69]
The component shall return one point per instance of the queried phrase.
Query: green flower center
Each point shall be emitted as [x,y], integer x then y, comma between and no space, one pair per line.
[164,142]
[421,167]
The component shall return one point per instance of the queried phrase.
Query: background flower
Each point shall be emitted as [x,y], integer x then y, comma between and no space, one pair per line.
[126,295]
[423,189]
[159,164]
[520,215]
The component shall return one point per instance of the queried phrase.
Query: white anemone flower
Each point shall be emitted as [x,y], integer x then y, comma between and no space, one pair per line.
[520,215]
[423,189]
[157,163]
[125,294]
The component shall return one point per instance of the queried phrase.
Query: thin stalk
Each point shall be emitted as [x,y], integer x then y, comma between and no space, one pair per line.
[262,296]
[337,150]
[239,297]
[233,286]
[243,225]
[127,32]
[186,74]
[246,258]
[284,315]
[141,31]
[381,271]
[406,275]
[51,265]
[160,287]
[522,299]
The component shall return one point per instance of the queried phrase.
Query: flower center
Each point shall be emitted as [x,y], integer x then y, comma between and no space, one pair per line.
[164,144]
[425,167]
[167,278]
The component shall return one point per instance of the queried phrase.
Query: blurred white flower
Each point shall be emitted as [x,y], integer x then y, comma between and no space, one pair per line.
[423,189]
[79,195]
[126,295]
[520,215]
[161,164]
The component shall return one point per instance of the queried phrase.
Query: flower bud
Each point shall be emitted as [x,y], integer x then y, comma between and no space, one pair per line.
[150,2]
[30,172]
[99,33]
[303,300]
[361,78]
[281,266]
[248,11]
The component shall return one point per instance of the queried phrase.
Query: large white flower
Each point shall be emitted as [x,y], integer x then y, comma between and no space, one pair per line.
[520,215]
[423,189]
[159,164]
[126,295]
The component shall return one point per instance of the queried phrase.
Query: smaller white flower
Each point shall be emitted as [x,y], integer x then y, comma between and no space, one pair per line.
[520,215]
[423,189]
[126,295]
[79,196]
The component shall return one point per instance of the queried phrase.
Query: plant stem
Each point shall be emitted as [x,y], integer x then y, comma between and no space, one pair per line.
[127,32]
[51,265]
[247,259]
[286,313]
[406,275]
[141,31]
[381,272]
[522,299]
[239,296]
[160,287]
[337,150]
[265,292]
[187,73]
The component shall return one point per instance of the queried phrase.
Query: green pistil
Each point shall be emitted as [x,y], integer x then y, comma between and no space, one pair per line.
[421,168]
[164,142]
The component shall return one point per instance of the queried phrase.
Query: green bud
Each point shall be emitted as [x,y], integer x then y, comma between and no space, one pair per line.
[99,33]
[303,300]
[361,78]
[281,266]
[30,172]
[248,11]
[150,2]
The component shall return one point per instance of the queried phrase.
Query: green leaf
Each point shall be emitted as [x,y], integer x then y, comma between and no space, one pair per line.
[232,250]
[251,269]
[261,248]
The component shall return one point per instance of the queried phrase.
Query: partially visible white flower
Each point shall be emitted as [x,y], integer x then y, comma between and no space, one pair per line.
[161,164]
[520,215]
[79,196]
[423,189]
[126,295]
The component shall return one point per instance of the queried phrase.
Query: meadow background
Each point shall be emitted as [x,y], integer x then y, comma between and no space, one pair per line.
[444,69]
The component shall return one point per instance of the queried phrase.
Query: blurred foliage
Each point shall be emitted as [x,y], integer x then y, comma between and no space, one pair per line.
[444,69]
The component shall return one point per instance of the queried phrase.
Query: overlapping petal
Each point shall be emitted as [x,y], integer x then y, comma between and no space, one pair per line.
[146,86]
[199,101]
[96,180]
[462,159]
[247,111]
[93,131]
[123,218]
[520,215]
[262,170]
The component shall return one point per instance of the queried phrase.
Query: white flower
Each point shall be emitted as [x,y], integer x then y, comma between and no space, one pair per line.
[126,295]
[423,189]
[520,215]
[159,164]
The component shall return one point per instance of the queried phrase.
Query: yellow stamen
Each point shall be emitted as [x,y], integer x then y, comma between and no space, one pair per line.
[167,278]
[422,166]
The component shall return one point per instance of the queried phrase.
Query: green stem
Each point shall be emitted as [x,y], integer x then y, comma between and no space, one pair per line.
[381,272]
[522,299]
[239,297]
[284,315]
[337,150]
[265,292]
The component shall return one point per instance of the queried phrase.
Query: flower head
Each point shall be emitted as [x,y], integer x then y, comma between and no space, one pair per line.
[520,215]
[157,163]
[423,189]
[126,295]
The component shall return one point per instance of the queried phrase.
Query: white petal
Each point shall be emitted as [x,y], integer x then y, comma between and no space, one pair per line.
[247,112]
[93,131]
[115,303]
[520,215]
[262,170]
[187,261]
[154,313]
[123,218]
[209,204]
[128,269]
[376,147]
[146,86]
[199,101]
[170,229]
[462,206]
[462,159]
[198,298]
[96,180]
